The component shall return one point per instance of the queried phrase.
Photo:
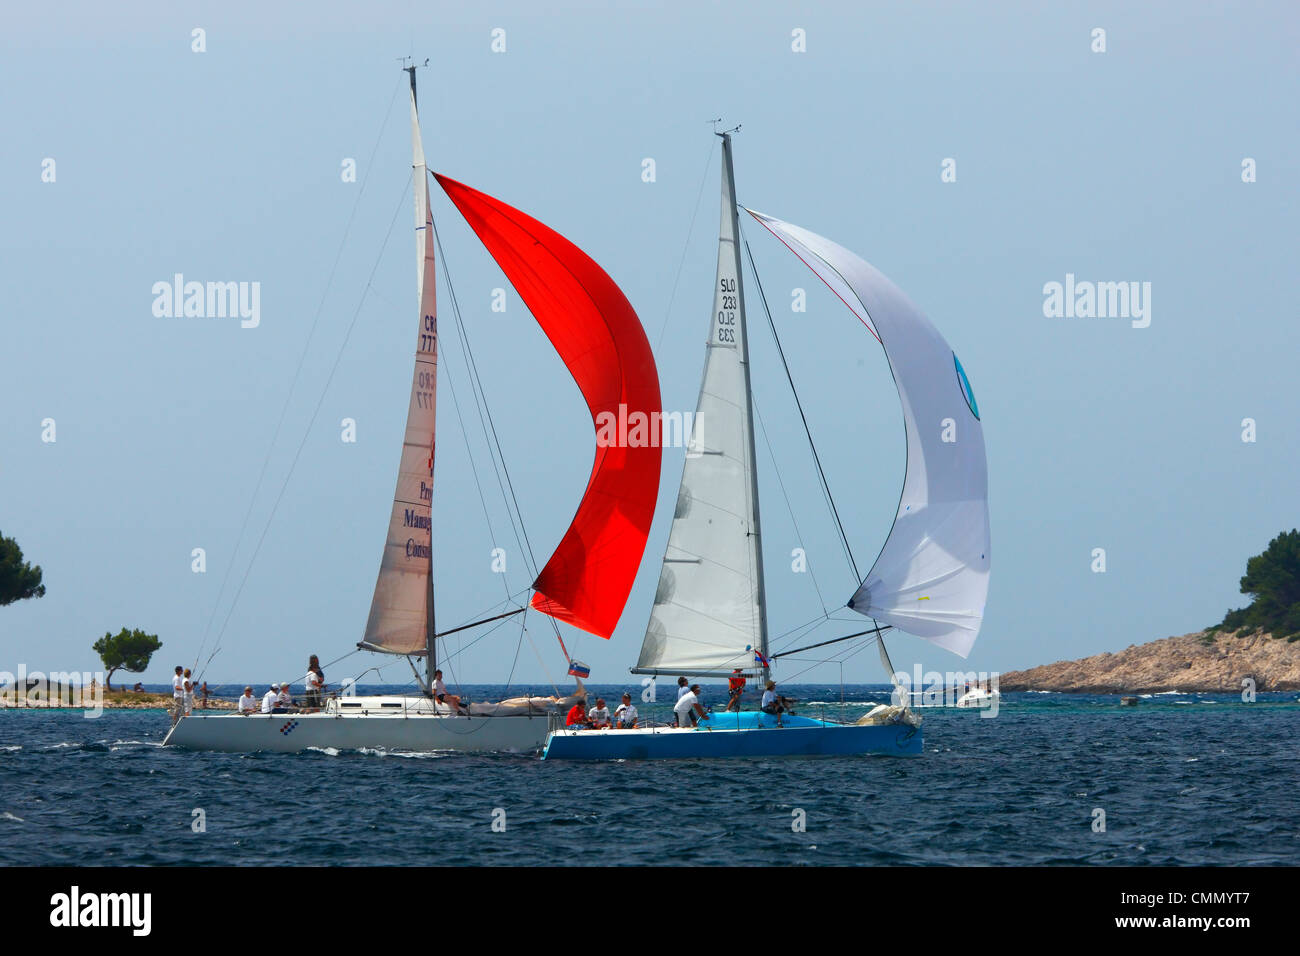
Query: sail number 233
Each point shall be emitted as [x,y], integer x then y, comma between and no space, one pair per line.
[727,313]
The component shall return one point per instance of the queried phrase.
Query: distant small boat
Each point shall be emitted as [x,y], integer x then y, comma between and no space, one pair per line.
[1129,701]
[979,697]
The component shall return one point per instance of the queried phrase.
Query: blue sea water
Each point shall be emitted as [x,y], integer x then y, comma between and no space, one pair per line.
[1181,778]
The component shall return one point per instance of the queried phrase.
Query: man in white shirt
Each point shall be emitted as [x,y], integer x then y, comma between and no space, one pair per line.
[286,698]
[441,696]
[247,703]
[599,715]
[625,715]
[269,698]
[682,691]
[688,709]
[178,694]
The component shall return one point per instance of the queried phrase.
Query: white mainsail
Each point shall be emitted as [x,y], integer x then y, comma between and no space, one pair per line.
[708,611]
[932,576]
[399,611]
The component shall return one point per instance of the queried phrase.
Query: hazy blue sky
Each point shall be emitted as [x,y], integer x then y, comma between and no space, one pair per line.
[225,165]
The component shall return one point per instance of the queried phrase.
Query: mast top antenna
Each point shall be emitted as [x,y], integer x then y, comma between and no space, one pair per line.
[725,132]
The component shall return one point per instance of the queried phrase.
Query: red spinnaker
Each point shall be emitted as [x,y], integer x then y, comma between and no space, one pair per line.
[598,335]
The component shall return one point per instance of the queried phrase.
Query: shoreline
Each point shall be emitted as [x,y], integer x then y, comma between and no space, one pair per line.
[41,699]
[1201,662]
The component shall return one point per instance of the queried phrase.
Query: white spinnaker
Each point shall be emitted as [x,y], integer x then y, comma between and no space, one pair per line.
[707,616]
[932,576]
[399,609]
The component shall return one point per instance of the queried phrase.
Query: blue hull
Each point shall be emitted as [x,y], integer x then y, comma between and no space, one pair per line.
[745,734]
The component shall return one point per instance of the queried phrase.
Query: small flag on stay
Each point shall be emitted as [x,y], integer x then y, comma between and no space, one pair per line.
[761,659]
[579,669]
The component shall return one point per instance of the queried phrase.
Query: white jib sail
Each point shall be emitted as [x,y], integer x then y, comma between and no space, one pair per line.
[399,610]
[707,616]
[932,576]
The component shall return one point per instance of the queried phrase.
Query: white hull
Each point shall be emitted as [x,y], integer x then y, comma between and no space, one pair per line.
[407,729]
[979,698]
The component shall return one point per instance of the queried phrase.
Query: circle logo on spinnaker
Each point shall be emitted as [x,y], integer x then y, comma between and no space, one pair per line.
[964,382]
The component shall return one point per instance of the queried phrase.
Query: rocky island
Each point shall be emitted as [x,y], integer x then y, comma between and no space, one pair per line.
[1260,641]
[1207,661]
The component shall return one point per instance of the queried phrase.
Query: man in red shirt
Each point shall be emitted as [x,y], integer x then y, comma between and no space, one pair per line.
[736,687]
[577,716]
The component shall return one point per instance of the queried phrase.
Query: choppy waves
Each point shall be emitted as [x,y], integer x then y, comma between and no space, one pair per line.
[1190,779]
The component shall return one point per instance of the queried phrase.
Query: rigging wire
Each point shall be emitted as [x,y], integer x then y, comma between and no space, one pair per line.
[826,488]
[312,421]
[485,419]
[473,467]
[447,659]
[776,468]
[486,422]
[464,432]
[293,383]
[523,624]
[355,650]
[831,660]
[686,246]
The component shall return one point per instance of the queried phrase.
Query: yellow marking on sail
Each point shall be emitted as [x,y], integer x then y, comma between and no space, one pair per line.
[926,598]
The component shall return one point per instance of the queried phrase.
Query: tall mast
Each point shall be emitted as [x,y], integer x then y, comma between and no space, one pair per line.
[709,615]
[749,396]
[420,177]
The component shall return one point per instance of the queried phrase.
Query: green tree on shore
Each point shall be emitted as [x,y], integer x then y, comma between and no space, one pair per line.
[1272,579]
[18,580]
[125,651]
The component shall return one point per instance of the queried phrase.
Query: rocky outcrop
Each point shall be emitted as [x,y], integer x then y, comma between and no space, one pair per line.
[1203,661]
[41,697]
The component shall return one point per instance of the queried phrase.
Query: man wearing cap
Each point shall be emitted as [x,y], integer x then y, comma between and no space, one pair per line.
[773,703]
[247,703]
[268,699]
[285,700]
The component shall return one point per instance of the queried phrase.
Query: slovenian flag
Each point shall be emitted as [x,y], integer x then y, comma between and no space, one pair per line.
[761,659]
[579,669]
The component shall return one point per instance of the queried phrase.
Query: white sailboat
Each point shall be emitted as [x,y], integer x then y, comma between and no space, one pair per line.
[978,697]
[586,581]
[931,576]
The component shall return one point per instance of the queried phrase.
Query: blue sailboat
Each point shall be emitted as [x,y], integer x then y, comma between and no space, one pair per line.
[931,576]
